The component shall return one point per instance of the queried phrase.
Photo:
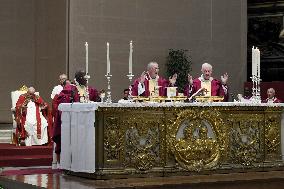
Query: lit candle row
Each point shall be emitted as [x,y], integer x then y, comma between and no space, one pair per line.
[108,59]
[129,62]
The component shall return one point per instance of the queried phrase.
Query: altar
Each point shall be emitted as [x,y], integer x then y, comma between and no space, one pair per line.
[112,140]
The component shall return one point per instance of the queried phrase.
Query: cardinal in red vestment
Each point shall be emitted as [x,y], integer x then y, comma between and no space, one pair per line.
[151,84]
[271,98]
[34,120]
[208,85]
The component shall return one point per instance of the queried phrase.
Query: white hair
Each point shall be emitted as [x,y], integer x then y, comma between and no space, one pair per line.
[206,65]
[151,65]
[272,90]
[31,90]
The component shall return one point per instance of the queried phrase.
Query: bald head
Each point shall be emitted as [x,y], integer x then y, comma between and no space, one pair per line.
[62,78]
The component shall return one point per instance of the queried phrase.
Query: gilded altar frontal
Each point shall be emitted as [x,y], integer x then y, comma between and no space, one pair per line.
[167,141]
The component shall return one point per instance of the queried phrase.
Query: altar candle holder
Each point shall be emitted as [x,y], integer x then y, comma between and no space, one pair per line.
[87,97]
[256,89]
[130,76]
[108,100]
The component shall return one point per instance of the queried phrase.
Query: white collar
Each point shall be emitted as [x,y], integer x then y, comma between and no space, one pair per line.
[201,78]
[150,78]
[272,99]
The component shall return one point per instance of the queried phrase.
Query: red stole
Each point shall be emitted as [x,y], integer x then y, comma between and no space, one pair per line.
[21,112]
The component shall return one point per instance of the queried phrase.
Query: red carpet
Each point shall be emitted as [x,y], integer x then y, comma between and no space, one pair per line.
[25,156]
[30,171]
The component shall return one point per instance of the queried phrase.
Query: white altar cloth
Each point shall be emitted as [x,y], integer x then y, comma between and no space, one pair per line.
[78,137]
[78,131]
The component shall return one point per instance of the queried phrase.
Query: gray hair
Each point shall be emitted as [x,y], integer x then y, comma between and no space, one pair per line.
[151,64]
[206,65]
[31,90]
[272,90]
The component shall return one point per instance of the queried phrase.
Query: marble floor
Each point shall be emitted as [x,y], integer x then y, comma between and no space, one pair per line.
[259,180]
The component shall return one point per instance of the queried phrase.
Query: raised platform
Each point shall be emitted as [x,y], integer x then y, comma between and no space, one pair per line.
[25,156]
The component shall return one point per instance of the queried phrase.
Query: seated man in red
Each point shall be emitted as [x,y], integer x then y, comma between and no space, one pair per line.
[271,98]
[207,84]
[72,93]
[150,82]
[33,119]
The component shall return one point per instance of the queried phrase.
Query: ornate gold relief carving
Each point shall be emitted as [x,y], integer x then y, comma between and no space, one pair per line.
[142,142]
[173,140]
[113,139]
[198,138]
[272,135]
[246,146]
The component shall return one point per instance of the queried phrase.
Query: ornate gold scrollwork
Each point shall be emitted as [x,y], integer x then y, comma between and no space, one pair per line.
[272,136]
[197,139]
[169,140]
[246,142]
[113,139]
[142,143]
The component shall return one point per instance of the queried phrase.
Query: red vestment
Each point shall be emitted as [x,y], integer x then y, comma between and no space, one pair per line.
[163,83]
[216,88]
[21,111]
[273,100]
[68,95]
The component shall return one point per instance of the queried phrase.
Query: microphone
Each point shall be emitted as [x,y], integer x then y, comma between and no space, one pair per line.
[233,97]
[72,98]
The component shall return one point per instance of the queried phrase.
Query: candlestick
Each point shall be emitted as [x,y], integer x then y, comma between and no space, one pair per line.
[255,75]
[108,100]
[130,76]
[87,95]
[108,60]
[87,61]
[130,57]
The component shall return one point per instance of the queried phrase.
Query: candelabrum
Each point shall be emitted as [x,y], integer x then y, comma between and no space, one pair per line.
[256,89]
[130,76]
[108,100]
[87,96]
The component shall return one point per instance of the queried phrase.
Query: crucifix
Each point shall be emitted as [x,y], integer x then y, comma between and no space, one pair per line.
[205,91]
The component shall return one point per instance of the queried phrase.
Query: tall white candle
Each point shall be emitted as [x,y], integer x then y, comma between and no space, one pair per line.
[108,61]
[87,60]
[254,61]
[130,57]
[258,62]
